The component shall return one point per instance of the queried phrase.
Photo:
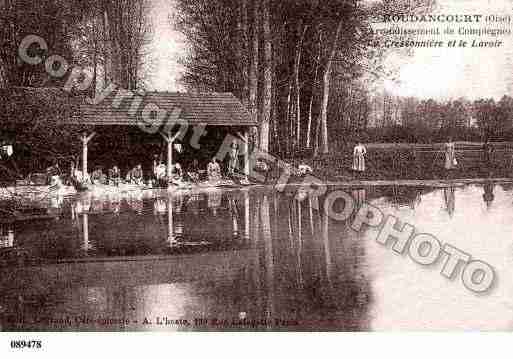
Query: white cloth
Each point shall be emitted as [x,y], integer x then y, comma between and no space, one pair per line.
[214,171]
[7,149]
[80,177]
[359,158]
[160,171]
[304,169]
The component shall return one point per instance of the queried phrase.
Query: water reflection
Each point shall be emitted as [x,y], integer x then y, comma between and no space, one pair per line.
[488,196]
[214,201]
[404,196]
[252,260]
[6,236]
[450,200]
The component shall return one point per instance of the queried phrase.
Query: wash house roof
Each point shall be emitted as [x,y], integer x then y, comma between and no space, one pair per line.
[213,109]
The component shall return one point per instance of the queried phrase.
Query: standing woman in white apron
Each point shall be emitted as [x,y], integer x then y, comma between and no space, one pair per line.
[359,153]
[450,155]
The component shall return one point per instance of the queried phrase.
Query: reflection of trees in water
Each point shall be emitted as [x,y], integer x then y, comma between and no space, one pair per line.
[129,225]
[305,268]
[177,202]
[308,272]
[409,196]
[214,199]
[300,265]
[193,204]
[48,240]
[267,240]
[348,291]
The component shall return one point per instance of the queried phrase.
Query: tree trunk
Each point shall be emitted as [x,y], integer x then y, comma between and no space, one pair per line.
[366,116]
[274,112]
[317,135]
[326,91]
[299,46]
[245,51]
[126,33]
[253,67]
[384,109]
[267,82]
[95,55]
[287,119]
[349,107]
[314,87]
[107,61]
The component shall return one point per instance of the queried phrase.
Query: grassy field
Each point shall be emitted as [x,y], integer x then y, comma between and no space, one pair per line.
[414,161]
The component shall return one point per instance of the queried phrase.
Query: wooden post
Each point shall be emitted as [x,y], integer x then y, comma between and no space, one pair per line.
[84,156]
[85,141]
[246,152]
[10,237]
[169,157]
[169,140]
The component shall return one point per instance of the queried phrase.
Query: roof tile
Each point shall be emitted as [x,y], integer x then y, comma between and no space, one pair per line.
[222,109]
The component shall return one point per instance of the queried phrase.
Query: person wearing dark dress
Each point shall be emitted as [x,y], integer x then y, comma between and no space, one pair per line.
[194,171]
[135,175]
[52,172]
[98,177]
[114,176]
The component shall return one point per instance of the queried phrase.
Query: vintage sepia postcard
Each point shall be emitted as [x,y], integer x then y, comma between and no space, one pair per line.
[255,166]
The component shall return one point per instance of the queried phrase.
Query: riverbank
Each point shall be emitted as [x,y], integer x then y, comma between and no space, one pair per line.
[412,162]
[457,182]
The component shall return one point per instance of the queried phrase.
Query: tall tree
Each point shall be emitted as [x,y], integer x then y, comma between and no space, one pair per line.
[326,79]
[267,81]
[243,53]
[128,32]
[254,61]
[313,91]
[294,51]
[55,21]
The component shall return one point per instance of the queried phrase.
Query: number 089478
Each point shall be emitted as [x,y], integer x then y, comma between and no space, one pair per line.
[29,344]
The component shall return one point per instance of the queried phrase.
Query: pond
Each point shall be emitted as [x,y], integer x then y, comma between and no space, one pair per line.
[252,259]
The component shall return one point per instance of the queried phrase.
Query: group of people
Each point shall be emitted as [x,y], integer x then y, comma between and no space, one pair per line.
[194,172]
[113,176]
[213,171]
[159,176]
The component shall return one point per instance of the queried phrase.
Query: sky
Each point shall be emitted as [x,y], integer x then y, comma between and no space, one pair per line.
[429,73]
[451,73]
